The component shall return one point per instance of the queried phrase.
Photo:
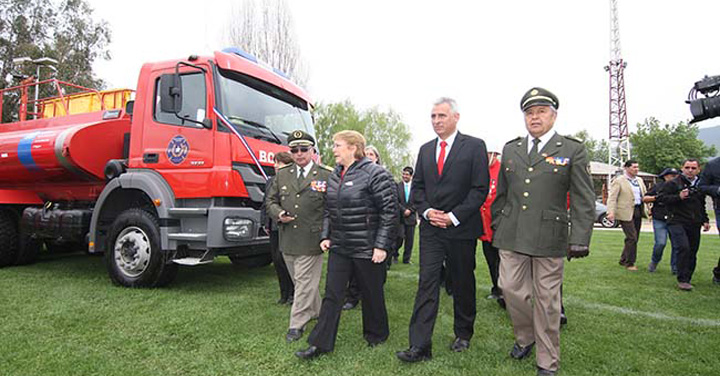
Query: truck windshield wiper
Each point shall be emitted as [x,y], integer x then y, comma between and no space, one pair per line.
[258,125]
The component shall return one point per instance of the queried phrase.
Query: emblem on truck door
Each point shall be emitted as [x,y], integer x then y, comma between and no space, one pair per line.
[177,149]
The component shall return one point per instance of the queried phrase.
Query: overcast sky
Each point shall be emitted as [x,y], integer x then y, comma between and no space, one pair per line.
[405,54]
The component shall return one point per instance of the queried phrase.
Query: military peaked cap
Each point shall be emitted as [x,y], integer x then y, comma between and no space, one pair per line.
[538,96]
[300,138]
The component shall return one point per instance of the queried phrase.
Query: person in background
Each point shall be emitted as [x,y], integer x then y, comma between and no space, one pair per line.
[686,215]
[408,216]
[492,255]
[625,204]
[287,287]
[296,199]
[710,185]
[358,231]
[659,220]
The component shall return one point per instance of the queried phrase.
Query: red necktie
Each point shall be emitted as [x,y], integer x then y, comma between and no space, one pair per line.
[441,157]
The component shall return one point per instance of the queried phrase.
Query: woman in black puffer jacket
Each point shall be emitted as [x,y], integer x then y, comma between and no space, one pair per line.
[359,231]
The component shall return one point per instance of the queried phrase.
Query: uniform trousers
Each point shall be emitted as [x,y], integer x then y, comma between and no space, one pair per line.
[632,230]
[371,278]
[492,257]
[305,271]
[686,240]
[531,286]
[460,255]
[286,284]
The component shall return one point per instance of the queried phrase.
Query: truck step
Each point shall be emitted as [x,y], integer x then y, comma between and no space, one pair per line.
[188,212]
[192,261]
[193,237]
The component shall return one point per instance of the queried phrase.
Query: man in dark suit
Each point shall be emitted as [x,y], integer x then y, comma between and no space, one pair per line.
[409,216]
[449,186]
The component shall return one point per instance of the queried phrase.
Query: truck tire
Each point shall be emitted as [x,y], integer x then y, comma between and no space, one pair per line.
[133,256]
[257,261]
[8,238]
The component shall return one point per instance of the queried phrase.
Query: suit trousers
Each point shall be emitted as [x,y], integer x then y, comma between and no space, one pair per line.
[408,241]
[524,279]
[492,257]
[370,277]
[686,240]
[632,231]
[460,255]
[287,288]
[305,271]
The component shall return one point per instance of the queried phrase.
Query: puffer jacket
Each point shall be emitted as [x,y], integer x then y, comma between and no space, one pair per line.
[360,210]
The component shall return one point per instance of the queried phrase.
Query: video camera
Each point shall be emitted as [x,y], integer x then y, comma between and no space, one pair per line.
[708,107]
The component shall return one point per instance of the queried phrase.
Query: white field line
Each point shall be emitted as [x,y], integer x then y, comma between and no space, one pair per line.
[407,274]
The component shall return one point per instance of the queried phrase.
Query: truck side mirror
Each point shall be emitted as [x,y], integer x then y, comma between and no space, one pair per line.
[170,93]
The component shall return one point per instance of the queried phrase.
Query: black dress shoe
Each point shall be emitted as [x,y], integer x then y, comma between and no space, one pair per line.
[414,354]
[349,305]
[545,372]
[563,319]
[294,335]
[460,345]
[282,301]
[309,353]
[290,301]
[501,302]
[518,352]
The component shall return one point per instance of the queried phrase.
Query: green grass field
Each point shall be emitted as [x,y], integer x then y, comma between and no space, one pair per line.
[62,316]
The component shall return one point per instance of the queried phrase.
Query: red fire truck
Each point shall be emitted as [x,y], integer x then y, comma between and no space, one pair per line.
[174,177]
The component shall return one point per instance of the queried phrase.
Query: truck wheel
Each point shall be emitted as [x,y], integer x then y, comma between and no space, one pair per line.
[133,256]
[251,262]
[8,238]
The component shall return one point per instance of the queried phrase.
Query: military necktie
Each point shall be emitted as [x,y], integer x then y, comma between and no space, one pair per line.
[301,175]
[534,150]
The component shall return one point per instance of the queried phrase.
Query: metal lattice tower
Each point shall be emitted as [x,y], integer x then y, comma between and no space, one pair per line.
[619,150]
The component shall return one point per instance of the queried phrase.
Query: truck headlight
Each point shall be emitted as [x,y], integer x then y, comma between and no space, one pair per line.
[237,228]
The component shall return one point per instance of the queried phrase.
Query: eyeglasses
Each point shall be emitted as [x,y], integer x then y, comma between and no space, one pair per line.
[302,149]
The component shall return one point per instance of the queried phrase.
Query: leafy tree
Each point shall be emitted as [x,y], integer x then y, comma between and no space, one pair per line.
[656,146]
[266,30]
[64,31]
[597,149]
[382,129]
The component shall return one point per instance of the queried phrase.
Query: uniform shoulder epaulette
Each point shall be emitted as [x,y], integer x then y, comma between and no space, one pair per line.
[514,140]
[328,168]
[286,166]
[574,139]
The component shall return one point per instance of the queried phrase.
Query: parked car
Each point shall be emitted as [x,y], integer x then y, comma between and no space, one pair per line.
[601,216]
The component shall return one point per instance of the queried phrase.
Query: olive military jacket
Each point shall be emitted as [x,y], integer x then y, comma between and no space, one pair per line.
[530,212]
[304,200]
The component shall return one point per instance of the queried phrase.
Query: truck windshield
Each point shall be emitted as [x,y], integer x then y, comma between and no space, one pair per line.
[261,110]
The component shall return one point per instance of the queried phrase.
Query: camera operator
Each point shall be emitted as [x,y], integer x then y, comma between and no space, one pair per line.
[710,185]
[686,214]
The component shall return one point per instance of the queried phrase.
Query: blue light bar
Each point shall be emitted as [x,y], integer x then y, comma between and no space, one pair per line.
[240,52]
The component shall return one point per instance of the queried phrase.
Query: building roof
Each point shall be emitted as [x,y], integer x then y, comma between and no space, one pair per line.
[604,169]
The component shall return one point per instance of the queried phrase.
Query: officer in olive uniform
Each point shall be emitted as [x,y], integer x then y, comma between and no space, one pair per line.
[297,199]
[538,174]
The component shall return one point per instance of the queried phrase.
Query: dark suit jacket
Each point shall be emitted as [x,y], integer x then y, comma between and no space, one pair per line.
[461,189]
[410,220]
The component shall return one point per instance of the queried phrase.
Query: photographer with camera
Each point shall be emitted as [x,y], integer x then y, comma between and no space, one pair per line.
[686,214]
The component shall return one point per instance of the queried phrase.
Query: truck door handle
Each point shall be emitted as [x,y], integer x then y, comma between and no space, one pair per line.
[151,158]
